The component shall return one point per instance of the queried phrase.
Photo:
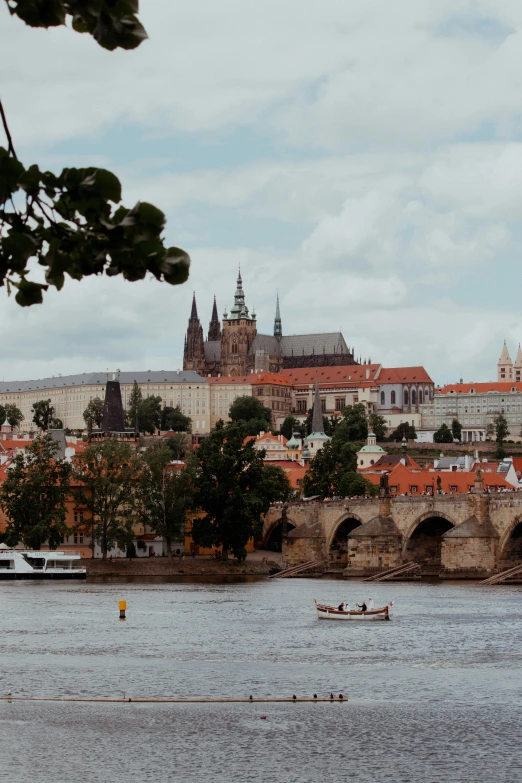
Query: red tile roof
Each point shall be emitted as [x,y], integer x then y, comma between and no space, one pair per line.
[401,480]
[403,375]
[230,380]
[480,388]
[332,375]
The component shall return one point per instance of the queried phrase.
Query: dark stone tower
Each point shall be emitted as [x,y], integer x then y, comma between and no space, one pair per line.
[194,351]
[214,327]
[112,409]
[278,328]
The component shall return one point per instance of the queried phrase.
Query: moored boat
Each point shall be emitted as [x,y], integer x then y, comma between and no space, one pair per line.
[27,564]
[326,612]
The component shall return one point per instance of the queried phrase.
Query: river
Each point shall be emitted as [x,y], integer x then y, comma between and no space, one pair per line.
[434,695]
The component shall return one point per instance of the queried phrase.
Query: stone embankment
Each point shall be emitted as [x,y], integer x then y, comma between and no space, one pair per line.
[165,566]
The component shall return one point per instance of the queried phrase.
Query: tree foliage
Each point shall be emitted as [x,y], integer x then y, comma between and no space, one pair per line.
[333,472]
[135,400]
[234,490]
[43,416]
[291,425]
[255,416]
[353,425]
[378,425]
[93,413]
[13,414]
[67,222]
[501,428]
[149,415]
[111,24]
[404,430]
[443,435]
[456,429]
[173,419]
[178,445]
[33,495]
[108,478]
[167,493]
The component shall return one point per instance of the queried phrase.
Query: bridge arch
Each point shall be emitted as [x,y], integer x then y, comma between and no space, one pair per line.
[337,546]
[510,545]
[273,535]
[423,543]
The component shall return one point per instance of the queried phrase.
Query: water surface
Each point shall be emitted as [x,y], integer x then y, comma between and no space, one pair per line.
[434,695]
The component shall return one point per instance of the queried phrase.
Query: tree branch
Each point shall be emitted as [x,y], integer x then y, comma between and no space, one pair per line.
[10,147]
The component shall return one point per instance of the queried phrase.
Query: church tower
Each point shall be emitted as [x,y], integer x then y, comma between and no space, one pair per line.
[239,331]
[504,365]
[278,328]
[214,327]
[517,367]
[194,351]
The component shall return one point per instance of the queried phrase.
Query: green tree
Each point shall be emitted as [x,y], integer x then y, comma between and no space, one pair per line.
[501,428]
[43,416]
[255,416]
[288,426]
[378,426]
[333,472]
[275,483]
[173,419]
[232,490]
[93,413]
[149,415]
[66,222]
[179,445]
[456,429]
[13,414]
[353,425]
[33,495]
[107,477]
[135,400]
[167,493]
[443,435]
[404,430]
[490,430]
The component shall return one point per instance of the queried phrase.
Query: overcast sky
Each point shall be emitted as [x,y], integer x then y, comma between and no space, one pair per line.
[363,158]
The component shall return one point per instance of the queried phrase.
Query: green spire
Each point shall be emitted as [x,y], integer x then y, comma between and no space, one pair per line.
[278,329]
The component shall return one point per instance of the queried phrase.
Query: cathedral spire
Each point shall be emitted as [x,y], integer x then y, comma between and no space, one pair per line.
[194,311]
[317,415]
[278,329]
[239,308]
[214,327]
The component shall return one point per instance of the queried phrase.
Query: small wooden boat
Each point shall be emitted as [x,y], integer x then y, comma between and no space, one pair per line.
[325,612]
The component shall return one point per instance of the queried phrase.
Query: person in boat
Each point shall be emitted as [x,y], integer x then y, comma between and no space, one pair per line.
[362,607]
[346,607]
[370,604]
[340,608]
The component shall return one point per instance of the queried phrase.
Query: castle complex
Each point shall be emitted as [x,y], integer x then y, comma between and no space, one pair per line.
[236,348]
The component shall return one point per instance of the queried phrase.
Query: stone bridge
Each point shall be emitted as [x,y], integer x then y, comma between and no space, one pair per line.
[461,535]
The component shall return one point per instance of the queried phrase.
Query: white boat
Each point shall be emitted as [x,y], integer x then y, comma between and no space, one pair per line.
[27,564]
[325,612]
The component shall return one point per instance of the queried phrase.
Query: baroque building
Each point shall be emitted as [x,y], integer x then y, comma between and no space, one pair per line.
[236,348]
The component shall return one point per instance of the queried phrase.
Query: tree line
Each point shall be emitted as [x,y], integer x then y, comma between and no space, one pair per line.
[224,486]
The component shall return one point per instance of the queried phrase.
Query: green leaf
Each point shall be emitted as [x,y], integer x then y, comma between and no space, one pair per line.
[175,266]
[29,293]
[11,171]
[149,215]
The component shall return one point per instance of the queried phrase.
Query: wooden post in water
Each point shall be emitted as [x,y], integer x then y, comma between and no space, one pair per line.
[122,606]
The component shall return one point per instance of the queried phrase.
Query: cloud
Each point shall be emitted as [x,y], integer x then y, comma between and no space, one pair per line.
[375,179]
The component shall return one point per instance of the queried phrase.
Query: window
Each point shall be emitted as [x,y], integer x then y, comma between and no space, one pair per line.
[420,396]
[393,398]
[78,517]
[323,405]
[406,397]
[383,398]
[340,403]
[78,538]
[453,488]
[301,406]
[413,397]
[234,348]
[260,391]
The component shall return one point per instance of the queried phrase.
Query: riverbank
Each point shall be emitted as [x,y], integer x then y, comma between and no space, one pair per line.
[166,566]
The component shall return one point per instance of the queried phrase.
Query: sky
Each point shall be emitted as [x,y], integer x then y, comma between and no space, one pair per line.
[363,159]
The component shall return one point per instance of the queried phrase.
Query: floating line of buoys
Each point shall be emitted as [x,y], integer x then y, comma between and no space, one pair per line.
[168,700]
